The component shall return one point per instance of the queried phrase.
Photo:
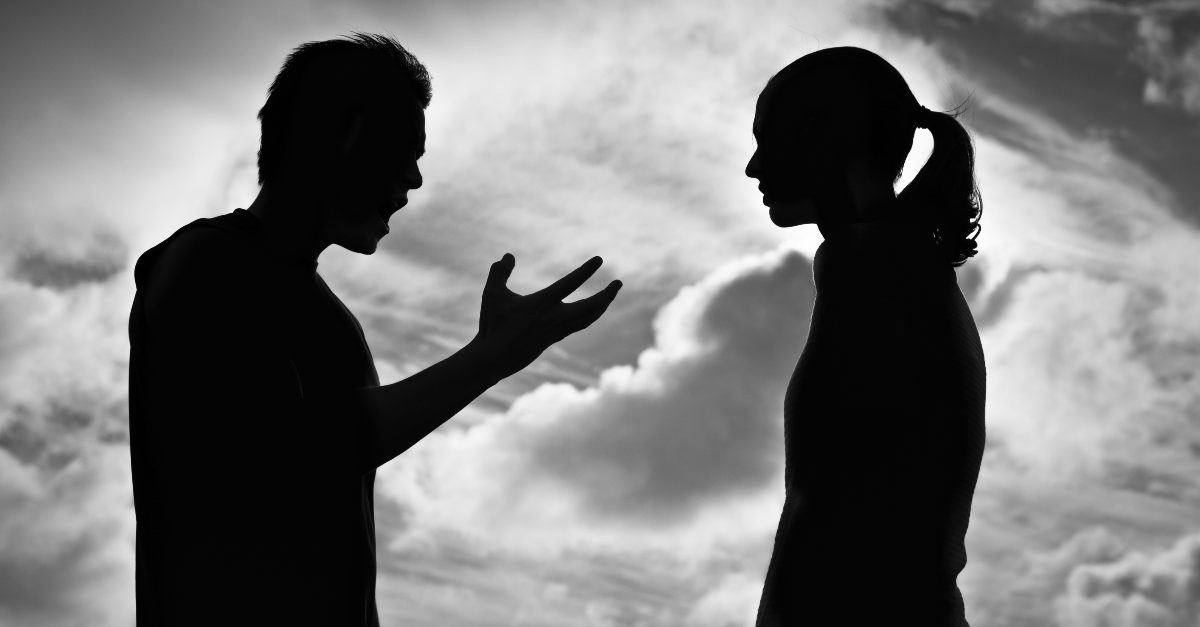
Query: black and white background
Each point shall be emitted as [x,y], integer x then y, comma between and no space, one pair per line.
[632,475]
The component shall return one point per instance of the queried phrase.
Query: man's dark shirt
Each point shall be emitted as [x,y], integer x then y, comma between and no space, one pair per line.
[253,494]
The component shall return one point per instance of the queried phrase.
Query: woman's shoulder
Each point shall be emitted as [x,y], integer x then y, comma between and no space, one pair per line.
[883,249]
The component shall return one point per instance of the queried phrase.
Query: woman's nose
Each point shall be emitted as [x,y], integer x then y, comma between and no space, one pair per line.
[752,166]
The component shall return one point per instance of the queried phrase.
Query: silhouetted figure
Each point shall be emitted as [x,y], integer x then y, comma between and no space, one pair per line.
[256,416]
[883,419]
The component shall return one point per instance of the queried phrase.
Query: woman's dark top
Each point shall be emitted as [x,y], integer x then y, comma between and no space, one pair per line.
[884,433]
[254,500]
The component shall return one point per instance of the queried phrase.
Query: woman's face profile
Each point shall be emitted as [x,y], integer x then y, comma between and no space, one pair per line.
[787,160]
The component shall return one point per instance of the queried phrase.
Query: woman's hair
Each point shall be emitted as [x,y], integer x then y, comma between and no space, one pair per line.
[943,195]
[944,191]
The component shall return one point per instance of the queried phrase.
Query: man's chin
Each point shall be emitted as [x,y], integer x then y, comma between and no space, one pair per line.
[363,246]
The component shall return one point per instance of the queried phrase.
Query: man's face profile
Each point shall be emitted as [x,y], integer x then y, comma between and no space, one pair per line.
[374,167]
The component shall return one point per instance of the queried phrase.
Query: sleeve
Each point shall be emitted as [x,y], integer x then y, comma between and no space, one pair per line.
[229,404]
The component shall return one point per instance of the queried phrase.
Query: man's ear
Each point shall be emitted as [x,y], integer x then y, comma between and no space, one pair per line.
[352,135]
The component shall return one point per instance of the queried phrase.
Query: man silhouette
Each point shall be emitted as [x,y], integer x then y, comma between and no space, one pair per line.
[256,415]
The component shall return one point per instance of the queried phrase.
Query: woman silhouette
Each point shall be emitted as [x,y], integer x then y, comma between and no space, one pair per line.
[883,418]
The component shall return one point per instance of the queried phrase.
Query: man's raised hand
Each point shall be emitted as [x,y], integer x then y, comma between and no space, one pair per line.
[514,329]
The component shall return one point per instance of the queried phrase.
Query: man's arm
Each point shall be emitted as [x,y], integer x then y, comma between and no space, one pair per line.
[219,371]
[513,331]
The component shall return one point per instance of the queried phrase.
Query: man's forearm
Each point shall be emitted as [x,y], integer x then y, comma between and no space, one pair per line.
[513,331]
[400,414]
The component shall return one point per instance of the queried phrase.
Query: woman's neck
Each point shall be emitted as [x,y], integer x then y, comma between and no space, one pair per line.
[873,197]
[863,200]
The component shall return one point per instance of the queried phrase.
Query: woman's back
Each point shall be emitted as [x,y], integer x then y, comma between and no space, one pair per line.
[884,433]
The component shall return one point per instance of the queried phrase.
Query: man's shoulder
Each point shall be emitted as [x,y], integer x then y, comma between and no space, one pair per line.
[206,252]
[211,241]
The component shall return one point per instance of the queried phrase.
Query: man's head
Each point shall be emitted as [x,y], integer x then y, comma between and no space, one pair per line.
[342,128]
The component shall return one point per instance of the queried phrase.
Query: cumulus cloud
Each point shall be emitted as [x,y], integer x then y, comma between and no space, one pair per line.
[699,416]
[1052,408]
[697,420]
[1082,287]
[66,540]
[66,534]
[1139,589]
[1103,581]
[676,460]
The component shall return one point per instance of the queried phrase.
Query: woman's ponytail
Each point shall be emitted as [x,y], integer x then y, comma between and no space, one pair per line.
[944,193]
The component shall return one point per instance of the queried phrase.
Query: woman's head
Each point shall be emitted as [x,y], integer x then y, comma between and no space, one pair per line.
[843,118]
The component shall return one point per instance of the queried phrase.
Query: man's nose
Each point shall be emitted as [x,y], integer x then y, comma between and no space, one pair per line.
[412,177]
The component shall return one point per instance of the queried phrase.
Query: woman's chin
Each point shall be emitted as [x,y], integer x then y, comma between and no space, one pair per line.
[785,215]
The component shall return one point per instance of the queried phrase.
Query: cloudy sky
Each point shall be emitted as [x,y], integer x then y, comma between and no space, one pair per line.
[632,475]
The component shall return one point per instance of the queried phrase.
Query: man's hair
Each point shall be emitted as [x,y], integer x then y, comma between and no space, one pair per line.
[320,77]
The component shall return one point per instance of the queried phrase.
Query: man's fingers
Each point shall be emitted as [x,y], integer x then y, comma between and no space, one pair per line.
[578,315]
[563,287]
[498,276]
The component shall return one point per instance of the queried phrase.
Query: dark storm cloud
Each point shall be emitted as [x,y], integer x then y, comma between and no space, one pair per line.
[45,268]
[1087,65]
[1170,52]
[31,590]
[51,437]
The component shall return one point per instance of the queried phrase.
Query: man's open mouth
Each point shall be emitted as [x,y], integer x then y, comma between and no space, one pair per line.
[387,210]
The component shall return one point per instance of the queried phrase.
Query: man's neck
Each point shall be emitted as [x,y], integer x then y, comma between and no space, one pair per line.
[290,225]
